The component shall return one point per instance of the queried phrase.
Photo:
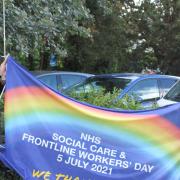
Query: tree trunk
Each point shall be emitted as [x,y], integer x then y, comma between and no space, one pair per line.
[30,62]
[44,60]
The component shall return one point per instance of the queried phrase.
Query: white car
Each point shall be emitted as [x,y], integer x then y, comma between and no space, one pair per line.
[172,97]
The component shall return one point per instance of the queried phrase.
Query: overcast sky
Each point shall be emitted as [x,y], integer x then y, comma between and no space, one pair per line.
[137,1]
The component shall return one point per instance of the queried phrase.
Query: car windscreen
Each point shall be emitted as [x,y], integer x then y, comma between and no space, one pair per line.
[107,84]
[174,93]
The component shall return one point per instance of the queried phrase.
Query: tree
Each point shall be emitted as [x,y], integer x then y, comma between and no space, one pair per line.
[40,27]
[157,26]
[106,51]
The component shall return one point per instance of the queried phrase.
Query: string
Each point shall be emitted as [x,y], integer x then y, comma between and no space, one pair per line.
[2,92]
[4,27]
[4,34]
[5,57]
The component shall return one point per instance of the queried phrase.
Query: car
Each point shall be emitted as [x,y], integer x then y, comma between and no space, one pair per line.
[144,88]
[172,97]
[59,80]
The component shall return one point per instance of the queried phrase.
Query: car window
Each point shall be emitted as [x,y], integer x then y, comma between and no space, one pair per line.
[145,89]
[69,80]
[108,84]
[49,80]
[166,84]
[174,93]
[84,88]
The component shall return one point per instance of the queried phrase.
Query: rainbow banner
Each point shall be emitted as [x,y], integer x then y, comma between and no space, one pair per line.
[50,136]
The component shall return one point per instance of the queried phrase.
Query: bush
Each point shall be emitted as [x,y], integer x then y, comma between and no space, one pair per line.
[107,99]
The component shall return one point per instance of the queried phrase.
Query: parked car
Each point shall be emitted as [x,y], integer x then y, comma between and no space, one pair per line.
[145,88]
[60,80]
[172,97]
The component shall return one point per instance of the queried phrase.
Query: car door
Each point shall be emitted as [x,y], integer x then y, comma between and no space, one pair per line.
[70,79]
[145,90]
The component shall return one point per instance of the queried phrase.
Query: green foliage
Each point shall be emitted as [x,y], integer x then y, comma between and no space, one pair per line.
[98,36]
[128,37]
[156,25]
[42,25]
[106,51]
[1,105]
[7,174]
[1,121]
[107,99]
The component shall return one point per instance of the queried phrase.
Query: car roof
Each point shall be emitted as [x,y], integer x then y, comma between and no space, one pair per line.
[119,75]
[161,75]
[43,73]
[133,76]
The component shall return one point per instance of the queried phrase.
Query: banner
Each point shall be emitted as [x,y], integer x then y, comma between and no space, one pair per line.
[50,136]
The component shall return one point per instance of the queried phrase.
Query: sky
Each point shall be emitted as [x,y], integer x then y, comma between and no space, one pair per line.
[137,1]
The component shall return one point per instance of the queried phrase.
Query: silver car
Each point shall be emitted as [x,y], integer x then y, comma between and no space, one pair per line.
[172,97]
[59,80]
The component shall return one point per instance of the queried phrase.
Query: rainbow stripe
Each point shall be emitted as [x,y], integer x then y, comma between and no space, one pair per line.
[149,135]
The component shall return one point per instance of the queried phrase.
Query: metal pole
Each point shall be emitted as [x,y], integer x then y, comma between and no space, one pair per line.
[4,27]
